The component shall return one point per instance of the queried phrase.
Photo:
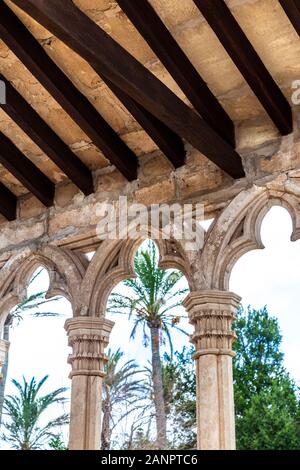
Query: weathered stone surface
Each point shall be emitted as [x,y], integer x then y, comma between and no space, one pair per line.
[212,314]
[58,240]
[253,133]
[65,194]
[263,21]
[30,206]
[88,338]
[160,192]
[58,237]
[22,232]
[206,178]
[70,220]
[110,183]
[153,166]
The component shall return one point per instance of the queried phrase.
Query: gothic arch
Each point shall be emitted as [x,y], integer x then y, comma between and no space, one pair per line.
[114,262]
[237,230]
[65,269]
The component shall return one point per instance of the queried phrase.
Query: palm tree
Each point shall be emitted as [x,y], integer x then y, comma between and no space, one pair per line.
[122,389]
[152,299]
[30,305]
[23,430]
[168,370]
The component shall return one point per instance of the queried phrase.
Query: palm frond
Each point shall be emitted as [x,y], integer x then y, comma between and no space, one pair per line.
[24,411]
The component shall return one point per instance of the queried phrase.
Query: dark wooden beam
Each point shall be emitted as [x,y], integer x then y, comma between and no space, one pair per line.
[292,10]
[25,171]
[168,141]
[8,203]
[33,125]
[148,23]
[243,54]
[33,56]
[109,59]
[30,51]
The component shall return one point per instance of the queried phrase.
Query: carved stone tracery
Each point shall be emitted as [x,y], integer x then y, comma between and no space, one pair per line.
[114,262]
[211,308]
[237,230]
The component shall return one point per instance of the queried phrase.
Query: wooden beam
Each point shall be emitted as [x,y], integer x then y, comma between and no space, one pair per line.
[109,59]
[33,125]
[243,54]
[33,56]
[25,171]
[161,41]
[292,10]
[30,50]
[168,141]
[8,203]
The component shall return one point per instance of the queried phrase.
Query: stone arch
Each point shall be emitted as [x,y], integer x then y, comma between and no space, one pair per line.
[237,230]
[65,270]
[114,262]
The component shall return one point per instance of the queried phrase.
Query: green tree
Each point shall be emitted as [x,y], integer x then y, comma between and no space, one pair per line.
[57,444]
[152,300]
[122,390]
[180,387]
[266,398]
[31,305]
[24,411]
[140,440]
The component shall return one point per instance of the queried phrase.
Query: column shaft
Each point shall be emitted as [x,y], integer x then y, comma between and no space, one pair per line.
[88,336]
[4,346]
[212,314]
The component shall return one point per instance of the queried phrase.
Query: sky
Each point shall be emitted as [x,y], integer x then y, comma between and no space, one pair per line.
[268,277]
[271,277]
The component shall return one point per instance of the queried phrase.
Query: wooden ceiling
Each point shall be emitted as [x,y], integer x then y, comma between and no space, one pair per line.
[96,82]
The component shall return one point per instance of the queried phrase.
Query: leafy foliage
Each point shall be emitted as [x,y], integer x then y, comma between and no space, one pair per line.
[25,409]
[151,302]
[270,422]
[57,444]
[123,393]
[266,398]
[152,296]
[31,306]
[179,371]
[140,441]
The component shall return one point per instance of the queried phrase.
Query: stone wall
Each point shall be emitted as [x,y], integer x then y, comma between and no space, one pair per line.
[73,217]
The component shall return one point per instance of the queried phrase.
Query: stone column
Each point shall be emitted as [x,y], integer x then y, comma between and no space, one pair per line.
[88,336]
[4,345]
[212,313]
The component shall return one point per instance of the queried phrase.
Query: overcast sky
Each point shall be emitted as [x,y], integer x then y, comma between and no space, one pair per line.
[264,277]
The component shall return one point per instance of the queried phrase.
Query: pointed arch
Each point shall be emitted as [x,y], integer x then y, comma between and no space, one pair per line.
[65,269]
[237,230]
[113,262]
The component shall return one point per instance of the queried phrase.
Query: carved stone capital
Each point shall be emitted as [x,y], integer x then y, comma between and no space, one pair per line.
[88,337]
[4,346]
[212,313]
